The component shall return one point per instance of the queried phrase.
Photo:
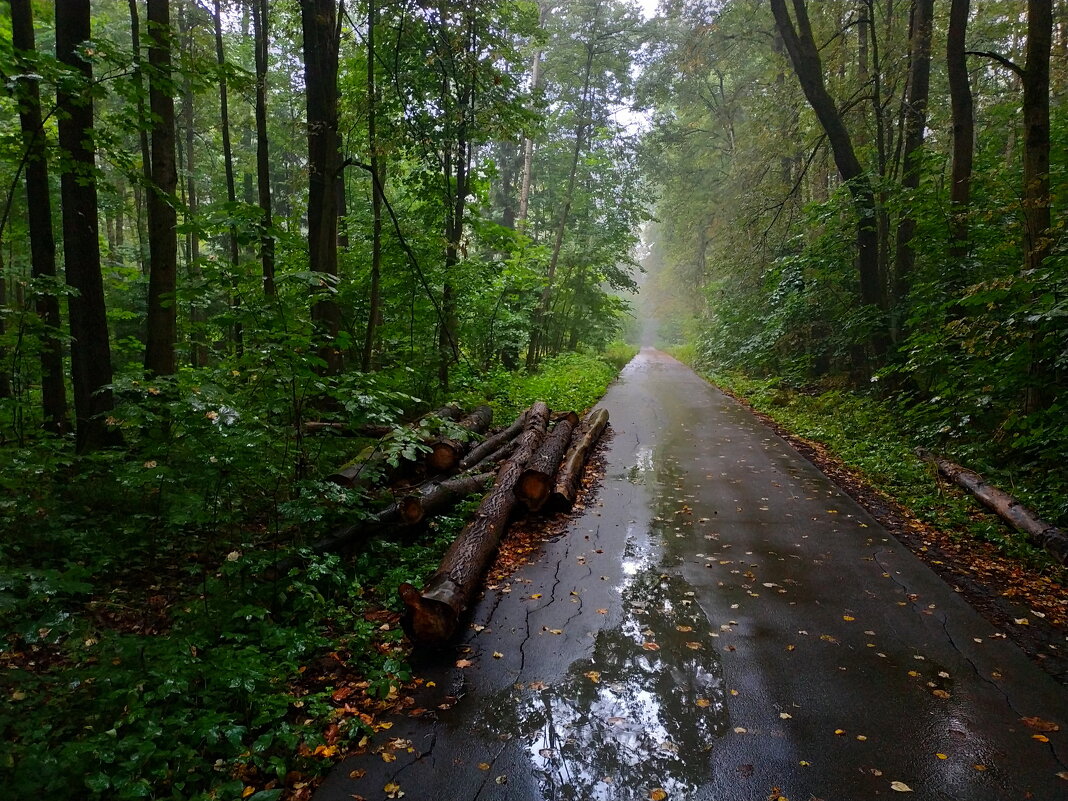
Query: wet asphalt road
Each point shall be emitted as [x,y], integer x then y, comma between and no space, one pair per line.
[722,624]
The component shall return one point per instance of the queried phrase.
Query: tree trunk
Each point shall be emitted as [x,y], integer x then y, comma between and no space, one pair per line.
[39,212]
[431,616]
[436,497]
[527,172]
[233,249]
[375,299]
[960,96]
[445,454]
[198,351]
[142,135]
[535,484]
[263,164]
[915,122]
[1040,533]
[568,477]
[162,318]
[539,327]
[491,444]
[90,350]
[805,58]
[321,25]
[1036,189]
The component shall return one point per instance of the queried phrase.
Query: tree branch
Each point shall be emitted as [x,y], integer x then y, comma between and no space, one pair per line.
[1000,59]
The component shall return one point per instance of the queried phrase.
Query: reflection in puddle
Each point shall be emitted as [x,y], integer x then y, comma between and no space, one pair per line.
[643,466]
[634,716]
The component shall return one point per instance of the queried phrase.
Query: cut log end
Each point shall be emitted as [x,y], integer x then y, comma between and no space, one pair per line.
[533,488]
[427,620]
[444,456]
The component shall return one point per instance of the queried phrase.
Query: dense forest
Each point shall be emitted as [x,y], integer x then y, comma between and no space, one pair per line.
[870,196]
[237,236]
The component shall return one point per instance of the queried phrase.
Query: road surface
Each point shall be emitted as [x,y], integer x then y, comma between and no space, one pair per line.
[722,623]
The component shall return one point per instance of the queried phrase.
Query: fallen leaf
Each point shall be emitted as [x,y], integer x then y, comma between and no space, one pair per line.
[839,732]
[942,756]
[535,596]
[650,646]
[785,715]
[502,779]
[861,737]
[593,675]
[1038,724]
[940,693]
[657,794]
[248,791]
[498,655]
[901,787]
[804,763]
[791,647]
[393,790]
[483,766]
[694,646]
[979,767]
[1040,737]
[1021,621]
[848,618]
[359,773]
[555,631]
[602,611]
[464,663]
[684,629]
[703,702]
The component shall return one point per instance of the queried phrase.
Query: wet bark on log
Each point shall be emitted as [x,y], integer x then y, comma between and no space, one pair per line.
[489,463]
[445,454]
[433,498]
[372,459]
[492,444]
[536,482]
[565,488]
[431,616]
[1039,532]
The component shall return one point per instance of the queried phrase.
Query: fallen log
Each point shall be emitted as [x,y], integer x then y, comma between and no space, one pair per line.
[431,615]
[1039,532]
[373,458]
[536,482]
[490,462]
[433,498]
[492,444]
[565,487]
[445,453]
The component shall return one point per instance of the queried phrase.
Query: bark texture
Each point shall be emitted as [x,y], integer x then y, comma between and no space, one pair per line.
[431,616]
[536,482]
[492,444]
[445,454]
[440,495]
[565,488]
[1040,533]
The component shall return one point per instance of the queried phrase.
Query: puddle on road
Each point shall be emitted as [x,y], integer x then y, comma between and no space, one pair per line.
[634,715]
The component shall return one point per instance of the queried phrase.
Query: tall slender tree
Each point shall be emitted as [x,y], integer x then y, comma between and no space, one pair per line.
[960,97]
[321,24]
[233,247]
[375,157]
[263,164]
[90,350]
[162,321]
[39,209]
[805,58]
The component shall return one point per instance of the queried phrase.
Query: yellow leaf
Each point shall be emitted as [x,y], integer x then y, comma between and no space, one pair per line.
[848,618]
[247,792]
[483,766]
[940,693]
[650,646]
[861,737]
[703,702]
[980,767]
[734,692]
[1040,737]
[785,716]
[497,655]
[602,611]
[556,631]
[684,629]
[942,756]
[839,732]
[593,675]
[393,790]
[901,787]
[694,646]
[804,763]
[657,794]
[388,757]
[791,647]
[1038,724]
[536,595]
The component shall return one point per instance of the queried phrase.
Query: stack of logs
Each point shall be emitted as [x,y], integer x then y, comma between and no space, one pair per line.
[535,464]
